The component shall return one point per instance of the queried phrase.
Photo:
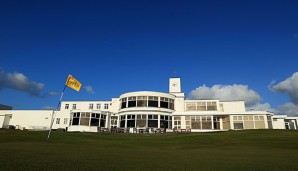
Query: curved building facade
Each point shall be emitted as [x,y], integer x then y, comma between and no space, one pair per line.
[149,110]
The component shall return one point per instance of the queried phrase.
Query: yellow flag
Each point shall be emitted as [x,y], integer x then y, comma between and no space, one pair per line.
[73,83]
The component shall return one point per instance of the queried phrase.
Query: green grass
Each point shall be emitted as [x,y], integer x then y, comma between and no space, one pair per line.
[233,150]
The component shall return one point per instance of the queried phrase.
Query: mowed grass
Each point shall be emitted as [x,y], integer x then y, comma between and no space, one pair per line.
[233,150]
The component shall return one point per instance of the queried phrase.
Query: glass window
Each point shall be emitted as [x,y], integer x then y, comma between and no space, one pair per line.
[106,106]
[123,103]
[90,106]
[152,101]
[65,121]
[191,107]
[201,106]
[74,106]
[132,102]
[98,106]
[66,106]
[142,101]
[164,102]
[57,120]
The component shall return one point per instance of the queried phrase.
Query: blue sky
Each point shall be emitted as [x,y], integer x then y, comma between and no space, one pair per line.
[122,46]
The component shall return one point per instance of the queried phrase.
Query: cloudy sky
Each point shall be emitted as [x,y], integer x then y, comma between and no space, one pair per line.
[228,50]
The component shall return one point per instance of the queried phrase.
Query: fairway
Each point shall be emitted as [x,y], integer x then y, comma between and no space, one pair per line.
[233,150]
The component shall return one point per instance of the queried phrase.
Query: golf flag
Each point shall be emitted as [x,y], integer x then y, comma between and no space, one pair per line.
[73,83]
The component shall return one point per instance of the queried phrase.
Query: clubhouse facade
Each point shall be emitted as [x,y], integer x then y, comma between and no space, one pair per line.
[148,111]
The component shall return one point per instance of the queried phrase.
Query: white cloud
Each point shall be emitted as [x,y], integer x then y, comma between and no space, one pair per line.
[289,109]
[20,82]
[89,89]
[262,107]
[227,93]
[289,87]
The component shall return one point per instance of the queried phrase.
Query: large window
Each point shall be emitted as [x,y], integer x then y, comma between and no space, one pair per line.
[76,118]
[152,101]
[85,117]
[103,118]
[238,122]
[142,101]
[165,121]
[177,122]
[94,119]
[114,121]
[191,106]
[123,103]
[153,121]
[206,122]
[132,102]
[201,106]
[196,122]
[211,106]
[122,121]
[164,102]
[131,121]
[141,121]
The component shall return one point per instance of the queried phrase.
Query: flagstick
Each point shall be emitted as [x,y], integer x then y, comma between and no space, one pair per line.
[55,111]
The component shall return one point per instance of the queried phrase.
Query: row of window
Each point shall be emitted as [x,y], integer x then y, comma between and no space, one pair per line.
[91,106]
[147,101]
[131,121]
[65,121]
[201,106]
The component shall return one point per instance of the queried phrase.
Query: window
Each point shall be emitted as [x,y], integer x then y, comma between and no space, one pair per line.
[106,106]
[132,102]
[131,121]
[74,106]
[94,119]
[90,106]
[65,121]
[141,120]
[57,120]
[85,117]
[191,106]
[76,118]
[177,122]
[152,101]
[165,122]
[201,106]
[98,106]
[66,106]
[123,103]
[164,102]
[122,121]
[142,101]
[172,104]
[275,119]
[211,106]
[153,121]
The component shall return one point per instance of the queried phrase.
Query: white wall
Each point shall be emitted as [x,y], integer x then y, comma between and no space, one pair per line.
[29,119]
[279,122]
[234,106]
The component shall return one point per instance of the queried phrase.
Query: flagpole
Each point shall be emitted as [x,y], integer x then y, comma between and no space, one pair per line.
[55,111]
